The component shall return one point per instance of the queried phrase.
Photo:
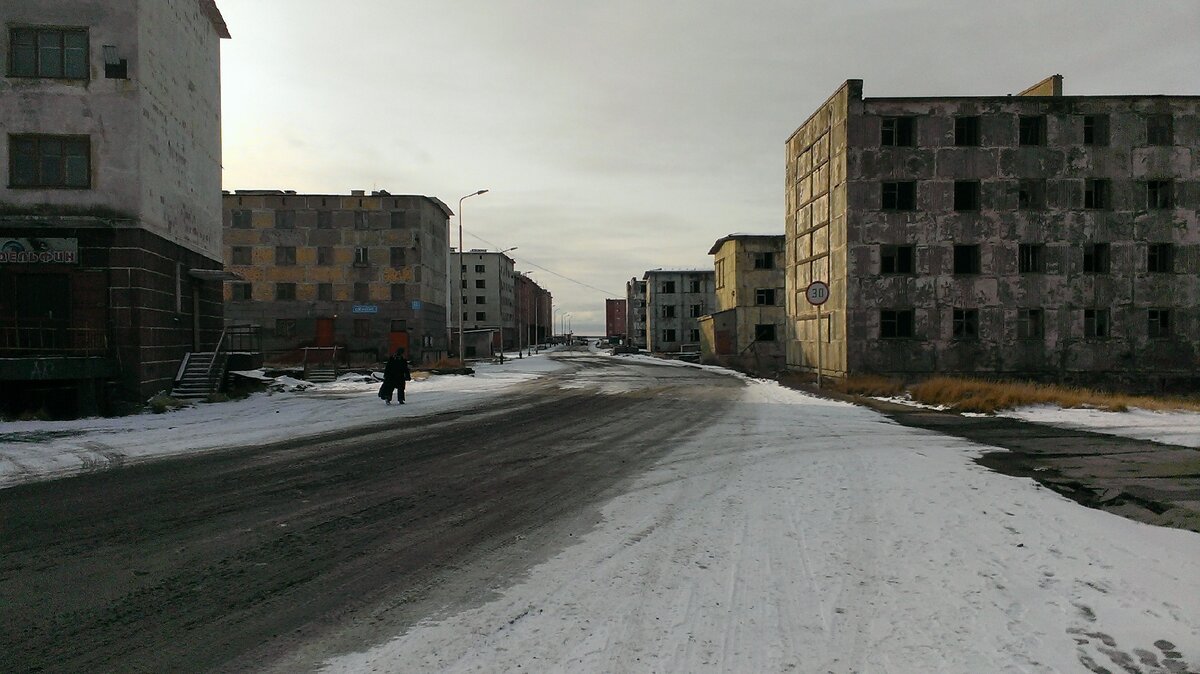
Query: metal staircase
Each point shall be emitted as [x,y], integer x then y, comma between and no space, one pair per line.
[321,364]
[201,373]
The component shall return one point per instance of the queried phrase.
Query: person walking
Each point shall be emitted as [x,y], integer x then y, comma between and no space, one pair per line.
[395,374]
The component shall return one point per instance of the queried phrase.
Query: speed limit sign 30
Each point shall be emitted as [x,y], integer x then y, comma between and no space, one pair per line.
[817,293]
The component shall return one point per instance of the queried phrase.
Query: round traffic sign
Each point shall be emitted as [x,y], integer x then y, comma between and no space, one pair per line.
[817,293]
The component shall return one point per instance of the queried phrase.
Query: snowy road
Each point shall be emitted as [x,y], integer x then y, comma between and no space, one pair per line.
[619,516]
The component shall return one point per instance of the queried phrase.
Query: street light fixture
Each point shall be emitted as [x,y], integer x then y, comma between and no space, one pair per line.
[462,355]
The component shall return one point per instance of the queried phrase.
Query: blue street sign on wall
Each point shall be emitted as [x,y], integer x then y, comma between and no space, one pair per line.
[416,305]
[365,309]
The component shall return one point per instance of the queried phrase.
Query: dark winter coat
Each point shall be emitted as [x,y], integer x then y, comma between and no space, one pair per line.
[396,371]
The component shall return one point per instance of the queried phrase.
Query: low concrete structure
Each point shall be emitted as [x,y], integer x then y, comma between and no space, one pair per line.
[746,328]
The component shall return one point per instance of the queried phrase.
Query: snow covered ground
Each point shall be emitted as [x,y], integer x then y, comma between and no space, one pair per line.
[806,535]
[795,534]
[31,450]
[1175,428]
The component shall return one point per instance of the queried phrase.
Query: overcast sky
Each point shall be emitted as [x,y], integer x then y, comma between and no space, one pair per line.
[617,136]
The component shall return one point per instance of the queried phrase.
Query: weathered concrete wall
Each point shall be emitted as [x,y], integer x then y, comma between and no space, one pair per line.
[155,136]
[422,276]
[737,285]
[816,222]
[1063,226]
[635,305]
[684,303]
[177,69]
[497,293]
[105,110]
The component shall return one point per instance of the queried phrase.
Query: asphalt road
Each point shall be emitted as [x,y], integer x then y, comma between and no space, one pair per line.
[276,557]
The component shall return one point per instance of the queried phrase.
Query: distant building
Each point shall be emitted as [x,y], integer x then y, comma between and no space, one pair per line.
[614,319]
[675,301]
[110,212]
[534,307]
[747,326]
[362,272]
[1038,236]
[487,301]
[635,308]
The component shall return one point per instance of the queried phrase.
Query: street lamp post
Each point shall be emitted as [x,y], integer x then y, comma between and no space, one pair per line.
[500,298]
[553,322]
[462,355]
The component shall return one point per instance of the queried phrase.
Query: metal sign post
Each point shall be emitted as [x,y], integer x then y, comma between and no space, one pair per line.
[817,294]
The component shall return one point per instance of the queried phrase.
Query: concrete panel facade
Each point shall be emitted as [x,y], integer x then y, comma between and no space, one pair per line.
[1049,237]
[675,302]
[349,269]
[749,275]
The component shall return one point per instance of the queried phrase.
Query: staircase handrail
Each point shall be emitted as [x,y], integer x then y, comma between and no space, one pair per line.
[213,361]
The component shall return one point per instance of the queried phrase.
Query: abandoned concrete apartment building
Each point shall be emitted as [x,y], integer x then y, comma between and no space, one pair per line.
[499,307]
[110,212]
[746,327]
[356,275]
[1038,235]
[675,301]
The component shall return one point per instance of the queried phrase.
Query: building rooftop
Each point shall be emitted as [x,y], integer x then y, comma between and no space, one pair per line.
[353,193]
[738,236]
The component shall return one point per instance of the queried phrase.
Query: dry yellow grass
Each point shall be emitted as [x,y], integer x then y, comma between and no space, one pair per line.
[447,364]
[977,395]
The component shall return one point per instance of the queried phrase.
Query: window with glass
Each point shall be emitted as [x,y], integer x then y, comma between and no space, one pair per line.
[696,310]
[60,53]
[764,296]
[40,161]
[362,257]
